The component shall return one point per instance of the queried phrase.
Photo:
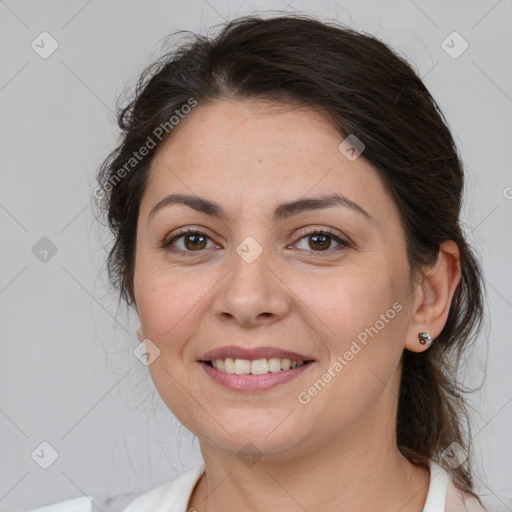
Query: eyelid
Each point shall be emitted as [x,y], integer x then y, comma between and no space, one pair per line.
[337,235]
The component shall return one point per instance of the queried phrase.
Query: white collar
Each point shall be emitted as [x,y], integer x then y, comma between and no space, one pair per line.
[175,495]
[436,497]
[170,497]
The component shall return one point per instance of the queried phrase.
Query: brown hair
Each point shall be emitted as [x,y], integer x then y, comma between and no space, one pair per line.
[365,89]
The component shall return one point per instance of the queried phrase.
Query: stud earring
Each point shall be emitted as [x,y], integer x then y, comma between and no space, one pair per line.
[425,338]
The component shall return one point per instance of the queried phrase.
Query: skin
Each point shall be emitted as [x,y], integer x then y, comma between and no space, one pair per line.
[338,452]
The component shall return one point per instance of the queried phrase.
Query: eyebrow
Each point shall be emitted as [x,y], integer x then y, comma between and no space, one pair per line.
[281,212]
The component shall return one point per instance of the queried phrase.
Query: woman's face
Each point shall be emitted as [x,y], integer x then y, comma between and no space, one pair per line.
[266,276]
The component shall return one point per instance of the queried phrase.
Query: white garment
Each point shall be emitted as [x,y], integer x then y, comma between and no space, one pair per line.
[174,496]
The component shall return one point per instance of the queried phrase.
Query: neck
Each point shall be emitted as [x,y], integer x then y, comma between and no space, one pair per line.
[342,476]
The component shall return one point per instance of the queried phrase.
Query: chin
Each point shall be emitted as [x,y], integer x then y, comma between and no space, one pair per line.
[269,436]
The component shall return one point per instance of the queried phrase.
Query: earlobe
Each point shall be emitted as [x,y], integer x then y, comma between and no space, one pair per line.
[140,336]
[435,294]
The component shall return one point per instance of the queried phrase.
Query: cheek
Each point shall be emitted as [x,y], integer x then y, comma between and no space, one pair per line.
[366,318]
[351,302]
[168,309]
[169,304]
[156,298]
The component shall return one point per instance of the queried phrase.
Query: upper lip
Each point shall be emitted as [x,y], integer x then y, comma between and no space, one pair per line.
[235,352]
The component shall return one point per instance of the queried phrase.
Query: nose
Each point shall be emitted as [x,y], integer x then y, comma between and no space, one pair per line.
[252,292]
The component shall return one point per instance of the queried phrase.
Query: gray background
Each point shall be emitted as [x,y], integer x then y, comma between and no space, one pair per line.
[67,372]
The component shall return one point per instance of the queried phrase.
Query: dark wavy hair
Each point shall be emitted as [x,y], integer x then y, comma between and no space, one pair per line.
[364,88]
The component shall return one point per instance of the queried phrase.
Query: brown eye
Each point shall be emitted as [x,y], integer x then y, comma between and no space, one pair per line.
[189,241]
[194,241]
[322,241]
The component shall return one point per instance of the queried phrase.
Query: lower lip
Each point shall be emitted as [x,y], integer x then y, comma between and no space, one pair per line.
[249,382]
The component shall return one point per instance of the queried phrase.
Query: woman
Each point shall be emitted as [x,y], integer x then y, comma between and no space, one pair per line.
[285,204]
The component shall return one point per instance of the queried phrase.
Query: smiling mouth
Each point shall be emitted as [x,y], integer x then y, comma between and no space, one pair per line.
[254,366]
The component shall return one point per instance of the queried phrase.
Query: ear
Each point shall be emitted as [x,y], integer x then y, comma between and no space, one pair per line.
[140,336]
[433,296]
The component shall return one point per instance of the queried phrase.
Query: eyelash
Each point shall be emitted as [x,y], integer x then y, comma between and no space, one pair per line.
[167,244]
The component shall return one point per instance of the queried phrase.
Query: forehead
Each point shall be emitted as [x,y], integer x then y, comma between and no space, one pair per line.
[251,129]
[260,152]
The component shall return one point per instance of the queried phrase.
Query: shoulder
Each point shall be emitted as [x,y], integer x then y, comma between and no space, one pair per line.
[172,496]
[458,501]
[444,496]
[83,504]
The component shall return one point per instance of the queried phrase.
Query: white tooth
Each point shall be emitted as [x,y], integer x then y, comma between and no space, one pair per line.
[285,364]
[242,366]
[259,366]
[274,364]
[229,365]
[256,367]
